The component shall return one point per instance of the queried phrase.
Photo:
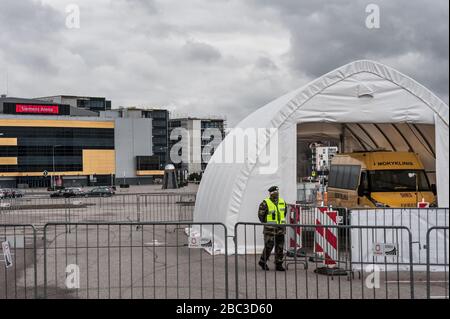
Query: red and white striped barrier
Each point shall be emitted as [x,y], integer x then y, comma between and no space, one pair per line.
[326,242]
[294,233]
[423,204]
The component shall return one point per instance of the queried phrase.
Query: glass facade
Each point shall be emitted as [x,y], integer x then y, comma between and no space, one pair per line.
[147,163]
[94,104]
[58,149]
[160,131]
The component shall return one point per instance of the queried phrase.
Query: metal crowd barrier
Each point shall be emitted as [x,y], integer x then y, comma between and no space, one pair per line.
[132,260]
[18,262]
[183,259]
[354,275]
[437,281]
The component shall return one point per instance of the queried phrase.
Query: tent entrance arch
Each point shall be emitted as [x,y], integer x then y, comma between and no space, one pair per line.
[362,101]
[359,137]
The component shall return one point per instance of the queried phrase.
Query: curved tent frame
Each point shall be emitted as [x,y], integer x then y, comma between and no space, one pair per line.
[363,95]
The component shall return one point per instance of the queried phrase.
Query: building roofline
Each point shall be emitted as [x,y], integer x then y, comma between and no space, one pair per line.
[73,96]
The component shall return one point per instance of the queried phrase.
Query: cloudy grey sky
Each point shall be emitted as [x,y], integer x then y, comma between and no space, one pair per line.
[203,57]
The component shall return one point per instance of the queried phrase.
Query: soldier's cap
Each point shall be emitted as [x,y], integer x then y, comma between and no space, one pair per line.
[273,189]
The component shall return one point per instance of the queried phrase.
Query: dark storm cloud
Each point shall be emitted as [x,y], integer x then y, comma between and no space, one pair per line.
[205,57]
[413,36]
[28,31]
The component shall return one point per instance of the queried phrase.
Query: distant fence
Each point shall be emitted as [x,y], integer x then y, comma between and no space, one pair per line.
[118,208]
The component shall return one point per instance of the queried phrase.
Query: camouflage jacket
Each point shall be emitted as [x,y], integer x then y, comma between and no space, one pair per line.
[268,230]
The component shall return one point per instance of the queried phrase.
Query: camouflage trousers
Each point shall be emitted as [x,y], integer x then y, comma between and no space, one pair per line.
[271,240]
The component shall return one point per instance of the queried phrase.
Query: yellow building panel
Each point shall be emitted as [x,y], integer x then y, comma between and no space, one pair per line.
[8,141]
[101,162]
[56,123]
[149,172]
[8,160]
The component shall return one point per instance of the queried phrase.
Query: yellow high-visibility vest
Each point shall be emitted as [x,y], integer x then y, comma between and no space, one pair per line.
[276,214]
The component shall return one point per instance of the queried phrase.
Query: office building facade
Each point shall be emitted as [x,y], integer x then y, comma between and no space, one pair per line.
[199,144]
[90,103]
[38,151]
[159,128]
[54,142]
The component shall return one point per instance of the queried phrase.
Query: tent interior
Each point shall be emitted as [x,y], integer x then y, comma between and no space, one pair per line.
[356,137]
[361,106]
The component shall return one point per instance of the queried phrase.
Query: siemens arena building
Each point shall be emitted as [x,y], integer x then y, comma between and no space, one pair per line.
[43,143]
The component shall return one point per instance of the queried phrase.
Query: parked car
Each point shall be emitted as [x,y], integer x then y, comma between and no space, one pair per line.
[8,193]
[104,191]
[58,193]
[74,192]
[69,192]
[17,193]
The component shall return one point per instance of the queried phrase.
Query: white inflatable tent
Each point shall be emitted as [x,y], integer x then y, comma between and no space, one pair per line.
[366,101]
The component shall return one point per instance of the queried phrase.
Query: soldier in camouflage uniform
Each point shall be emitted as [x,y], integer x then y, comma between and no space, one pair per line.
[272,210]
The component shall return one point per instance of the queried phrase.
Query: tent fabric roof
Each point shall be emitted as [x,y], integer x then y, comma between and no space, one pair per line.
[361,92]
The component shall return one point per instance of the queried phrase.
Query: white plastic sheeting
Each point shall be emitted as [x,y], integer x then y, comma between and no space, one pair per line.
[418,221]
[359,92]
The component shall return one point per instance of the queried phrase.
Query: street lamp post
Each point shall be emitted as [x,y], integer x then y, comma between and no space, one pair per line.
[52,180]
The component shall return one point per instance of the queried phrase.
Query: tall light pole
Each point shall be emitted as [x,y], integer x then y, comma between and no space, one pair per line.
[52,180]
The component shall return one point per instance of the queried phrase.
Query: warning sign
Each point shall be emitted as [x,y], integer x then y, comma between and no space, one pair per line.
[7,254]
[196,241]
[384,249]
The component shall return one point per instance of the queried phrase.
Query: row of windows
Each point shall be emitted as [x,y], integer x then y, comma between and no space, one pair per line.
[25,151]
[159,124]
[49,168]
[46,160]
[173,124]
[212,124]
[155,114]
[159,131]
[41,168]
[56,132]
[45,150]
[147,162]
[8,151]
[98,143]
[92,103]
[159,141]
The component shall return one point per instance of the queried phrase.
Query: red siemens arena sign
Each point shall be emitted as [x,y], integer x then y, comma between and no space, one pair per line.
[36,108]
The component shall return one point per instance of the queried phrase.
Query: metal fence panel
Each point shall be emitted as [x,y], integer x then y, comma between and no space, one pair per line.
[437,263]
[18,268]
[417,220]
[305,278]
[131,260]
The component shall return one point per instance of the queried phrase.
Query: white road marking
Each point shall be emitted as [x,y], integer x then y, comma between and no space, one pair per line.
[155,243]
